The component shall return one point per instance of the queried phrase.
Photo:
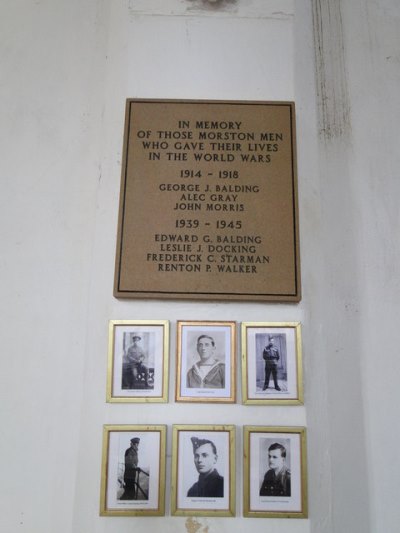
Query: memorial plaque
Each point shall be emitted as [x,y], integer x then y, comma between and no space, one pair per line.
[208,206]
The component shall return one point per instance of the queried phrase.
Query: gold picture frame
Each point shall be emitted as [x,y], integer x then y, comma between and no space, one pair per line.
[133,470]
[203,470]
[206,361]
[272,371]
[275,472]
[138,361]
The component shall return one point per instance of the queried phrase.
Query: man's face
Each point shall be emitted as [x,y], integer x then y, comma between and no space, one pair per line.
[135,446]
[204,459]
[275,459]
[205,348]
[271,341]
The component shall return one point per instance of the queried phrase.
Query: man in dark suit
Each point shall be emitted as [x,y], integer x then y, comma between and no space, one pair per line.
[210,483]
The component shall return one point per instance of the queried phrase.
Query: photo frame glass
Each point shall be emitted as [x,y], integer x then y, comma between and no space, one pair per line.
[203,477]
[138,361]
[275,473]
[272,365]
[133,470]
[206,362]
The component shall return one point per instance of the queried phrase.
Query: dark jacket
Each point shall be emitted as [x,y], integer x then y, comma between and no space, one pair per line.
[276,485]
[209,486]
[271,355]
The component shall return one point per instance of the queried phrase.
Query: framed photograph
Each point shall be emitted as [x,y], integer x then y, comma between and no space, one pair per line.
[272,363]
[205,367]
[203,471]
[138,361]
[275,472]
[133,471]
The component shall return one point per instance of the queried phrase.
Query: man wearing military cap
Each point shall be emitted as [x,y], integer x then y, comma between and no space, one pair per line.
[131,470]
[271,357]
[277,480]
[210,484]
[133,363]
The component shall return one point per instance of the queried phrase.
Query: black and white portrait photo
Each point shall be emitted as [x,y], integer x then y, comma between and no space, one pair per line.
[275,467]
[205,361]
[272,363]
[271,371]
[203,471]
[210,483]
[208,369]
[275,471]
[138,361]
[134,475]
[133,470]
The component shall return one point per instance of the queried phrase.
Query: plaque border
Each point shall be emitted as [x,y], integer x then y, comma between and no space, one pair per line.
[242,296]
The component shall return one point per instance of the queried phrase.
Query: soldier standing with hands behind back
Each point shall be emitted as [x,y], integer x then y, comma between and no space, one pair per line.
[271,357]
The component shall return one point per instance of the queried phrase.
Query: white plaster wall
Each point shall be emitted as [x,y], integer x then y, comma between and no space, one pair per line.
[51,90]
[66,69]
[372,43]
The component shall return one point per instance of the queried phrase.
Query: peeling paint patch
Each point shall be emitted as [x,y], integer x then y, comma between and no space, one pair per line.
[213,5]
[253,9]
[194,526]
[332,91]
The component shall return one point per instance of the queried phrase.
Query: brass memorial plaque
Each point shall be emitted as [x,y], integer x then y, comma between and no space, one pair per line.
[208,206]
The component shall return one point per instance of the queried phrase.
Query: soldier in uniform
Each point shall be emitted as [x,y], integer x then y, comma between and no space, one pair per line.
[131,470]
[277,479]
[210,483]
[133,364]
[271,357]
